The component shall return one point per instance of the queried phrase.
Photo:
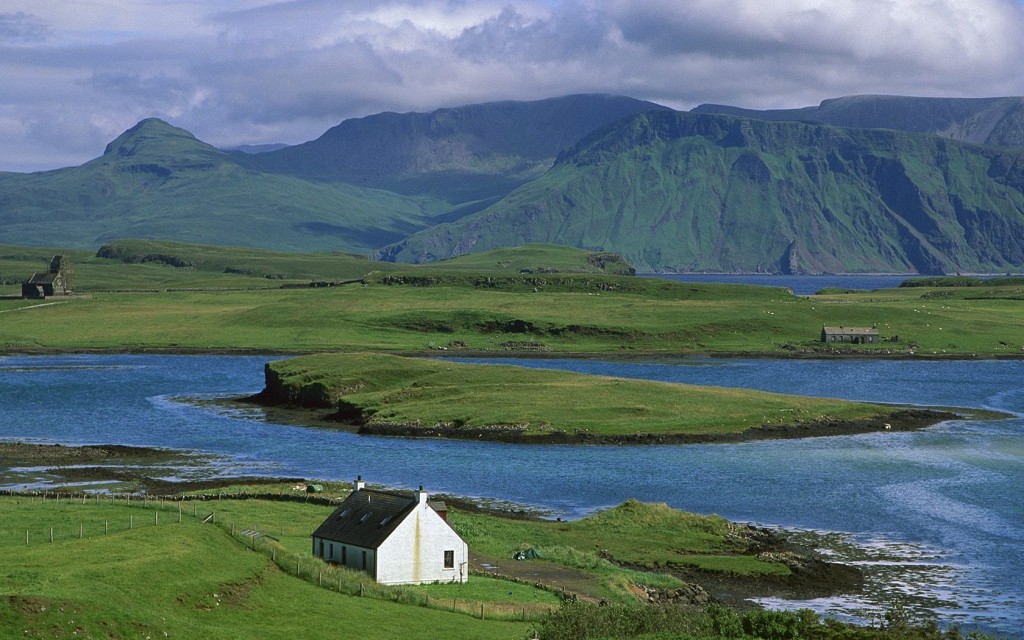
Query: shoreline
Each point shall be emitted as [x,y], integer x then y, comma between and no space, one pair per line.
[901,419]
[813,575]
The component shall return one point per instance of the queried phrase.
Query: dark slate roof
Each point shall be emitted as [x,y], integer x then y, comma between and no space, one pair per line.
[42,278]
[366,518]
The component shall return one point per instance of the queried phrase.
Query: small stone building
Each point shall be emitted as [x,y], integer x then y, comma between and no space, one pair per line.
[55,282]
[855,335]
[397,539]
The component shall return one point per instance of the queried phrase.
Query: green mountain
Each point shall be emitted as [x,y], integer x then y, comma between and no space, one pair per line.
[683,191]
[157,181]
[996,121]
[464,154]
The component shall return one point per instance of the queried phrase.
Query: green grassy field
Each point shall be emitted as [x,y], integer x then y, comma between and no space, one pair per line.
[425,393]
[113,566]
[185,580]
[514,313]
[145,265]
[109,567]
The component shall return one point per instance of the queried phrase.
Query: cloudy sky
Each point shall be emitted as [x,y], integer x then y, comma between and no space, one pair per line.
[76,73]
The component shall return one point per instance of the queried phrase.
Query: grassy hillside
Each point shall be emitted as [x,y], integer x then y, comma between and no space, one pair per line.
[157,181]
[672,191]
[163,578]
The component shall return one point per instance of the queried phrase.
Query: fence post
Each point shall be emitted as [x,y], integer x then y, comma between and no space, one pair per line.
[51,534]
[131,521]
[79,530]
[360,589]
[106,527]
[481,611]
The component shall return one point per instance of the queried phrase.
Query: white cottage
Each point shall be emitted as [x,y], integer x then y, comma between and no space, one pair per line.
[397,539]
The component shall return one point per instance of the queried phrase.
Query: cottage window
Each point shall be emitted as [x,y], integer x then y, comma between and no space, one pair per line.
[321,548]
[449,559]
[364,560]
[344,554]
[331,556]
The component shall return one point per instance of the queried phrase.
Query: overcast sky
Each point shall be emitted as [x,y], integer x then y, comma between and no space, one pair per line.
[76,73]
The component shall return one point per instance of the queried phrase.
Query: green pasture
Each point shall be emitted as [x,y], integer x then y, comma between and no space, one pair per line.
[155,306]
[114,566]
[184,578]
[148,265]
[426,393]
[634,533]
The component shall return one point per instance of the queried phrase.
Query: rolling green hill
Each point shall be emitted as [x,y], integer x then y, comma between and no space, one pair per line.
[995,121]
[678,191]
[158,181]
[462,154]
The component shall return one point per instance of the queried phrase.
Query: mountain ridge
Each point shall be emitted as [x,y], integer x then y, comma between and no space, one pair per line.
[994,121]
[459,154]
[671,191]
[712,192]
[158,181]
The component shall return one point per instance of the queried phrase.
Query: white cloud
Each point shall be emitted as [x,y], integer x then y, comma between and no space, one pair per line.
[236,71]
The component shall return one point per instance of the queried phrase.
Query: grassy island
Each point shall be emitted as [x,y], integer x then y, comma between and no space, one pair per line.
[394,395]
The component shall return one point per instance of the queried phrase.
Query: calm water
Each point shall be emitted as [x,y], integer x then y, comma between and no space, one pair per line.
[940,511]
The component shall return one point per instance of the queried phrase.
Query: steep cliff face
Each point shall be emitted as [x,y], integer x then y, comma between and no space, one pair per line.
[676,191]
[289,391]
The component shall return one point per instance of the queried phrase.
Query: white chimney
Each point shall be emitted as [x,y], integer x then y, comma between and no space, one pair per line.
[421,496]
[360,485]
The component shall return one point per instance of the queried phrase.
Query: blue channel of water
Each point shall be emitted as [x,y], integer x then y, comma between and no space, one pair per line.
[949,496]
